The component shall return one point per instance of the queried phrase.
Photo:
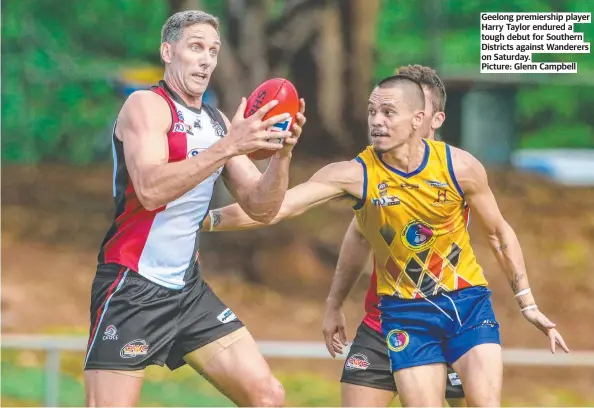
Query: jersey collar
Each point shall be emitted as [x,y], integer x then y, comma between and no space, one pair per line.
[412,173]
[177,98]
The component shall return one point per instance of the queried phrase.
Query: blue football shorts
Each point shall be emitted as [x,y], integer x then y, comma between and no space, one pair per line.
[437,329]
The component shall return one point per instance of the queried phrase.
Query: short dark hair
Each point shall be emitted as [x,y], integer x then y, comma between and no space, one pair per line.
[427,76]
[413,89]
[173,27]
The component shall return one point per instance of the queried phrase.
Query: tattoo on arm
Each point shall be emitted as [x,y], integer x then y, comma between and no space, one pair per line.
[216,218]
[516,280]
[513,285]
[501,247]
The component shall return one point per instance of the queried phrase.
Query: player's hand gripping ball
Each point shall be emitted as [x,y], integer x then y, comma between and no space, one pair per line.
[288,102]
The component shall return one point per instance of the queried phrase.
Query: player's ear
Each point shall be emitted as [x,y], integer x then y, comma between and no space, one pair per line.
[437,120]
[166,52]
[417,119]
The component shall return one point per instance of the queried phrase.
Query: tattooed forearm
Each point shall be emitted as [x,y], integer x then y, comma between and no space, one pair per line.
[216,218]
[508,253]
[515,281]
[513,285]
[525,300]
[501,247]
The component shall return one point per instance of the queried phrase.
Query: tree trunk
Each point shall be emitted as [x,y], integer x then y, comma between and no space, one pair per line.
[364,18]
[331,65]
[175,6]
[181,5]
[359,18]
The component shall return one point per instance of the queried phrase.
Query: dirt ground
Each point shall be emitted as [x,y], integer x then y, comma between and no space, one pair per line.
[276,279]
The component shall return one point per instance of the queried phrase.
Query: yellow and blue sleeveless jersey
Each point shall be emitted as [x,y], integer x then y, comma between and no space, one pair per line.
[416,224]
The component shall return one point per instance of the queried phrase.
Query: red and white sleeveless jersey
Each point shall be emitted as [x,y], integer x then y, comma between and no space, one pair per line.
[162,245]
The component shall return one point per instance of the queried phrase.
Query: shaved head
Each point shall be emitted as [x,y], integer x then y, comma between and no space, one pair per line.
[413,91]
[396,110]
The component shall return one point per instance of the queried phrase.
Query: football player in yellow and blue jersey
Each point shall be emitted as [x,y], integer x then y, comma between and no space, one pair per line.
[367,378]
[409,198]
[374,385]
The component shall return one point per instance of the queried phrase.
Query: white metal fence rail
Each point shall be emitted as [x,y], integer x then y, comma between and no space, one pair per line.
[54,345]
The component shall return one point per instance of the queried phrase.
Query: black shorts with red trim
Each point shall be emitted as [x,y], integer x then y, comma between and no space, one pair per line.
[368,365]
[136,323]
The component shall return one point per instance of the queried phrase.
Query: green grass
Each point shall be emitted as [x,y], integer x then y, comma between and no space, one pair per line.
[23,385]
[27,385]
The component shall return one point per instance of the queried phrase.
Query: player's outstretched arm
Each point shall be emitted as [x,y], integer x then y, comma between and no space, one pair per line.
[142,127]
[473,181]
[354,254]
[331,181]
[260,195]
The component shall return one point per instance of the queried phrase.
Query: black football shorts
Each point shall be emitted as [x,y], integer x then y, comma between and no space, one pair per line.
[368,364]
[136,323]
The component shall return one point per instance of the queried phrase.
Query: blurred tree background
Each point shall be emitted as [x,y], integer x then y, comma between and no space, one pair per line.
[63,64]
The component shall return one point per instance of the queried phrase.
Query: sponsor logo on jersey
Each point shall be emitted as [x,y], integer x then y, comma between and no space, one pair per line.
[417,235]
[188,129]
[442,198]
[409,186]
[437,184]
[220,132]
[194,152]
[382,188]
[387,201]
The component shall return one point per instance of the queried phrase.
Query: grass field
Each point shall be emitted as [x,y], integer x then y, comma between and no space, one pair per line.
[23,385]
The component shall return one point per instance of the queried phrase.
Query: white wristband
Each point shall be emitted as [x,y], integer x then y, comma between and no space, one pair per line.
[523,292]
[529,308]
[211,221]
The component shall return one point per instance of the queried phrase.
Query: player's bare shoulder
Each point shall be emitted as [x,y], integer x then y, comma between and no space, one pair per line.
[143,110]
[469,171]
[346,175]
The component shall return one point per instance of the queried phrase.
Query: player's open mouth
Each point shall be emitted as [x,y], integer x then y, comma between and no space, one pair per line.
[200,77]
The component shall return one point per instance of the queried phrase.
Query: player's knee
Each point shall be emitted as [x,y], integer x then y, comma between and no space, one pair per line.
[268,393]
